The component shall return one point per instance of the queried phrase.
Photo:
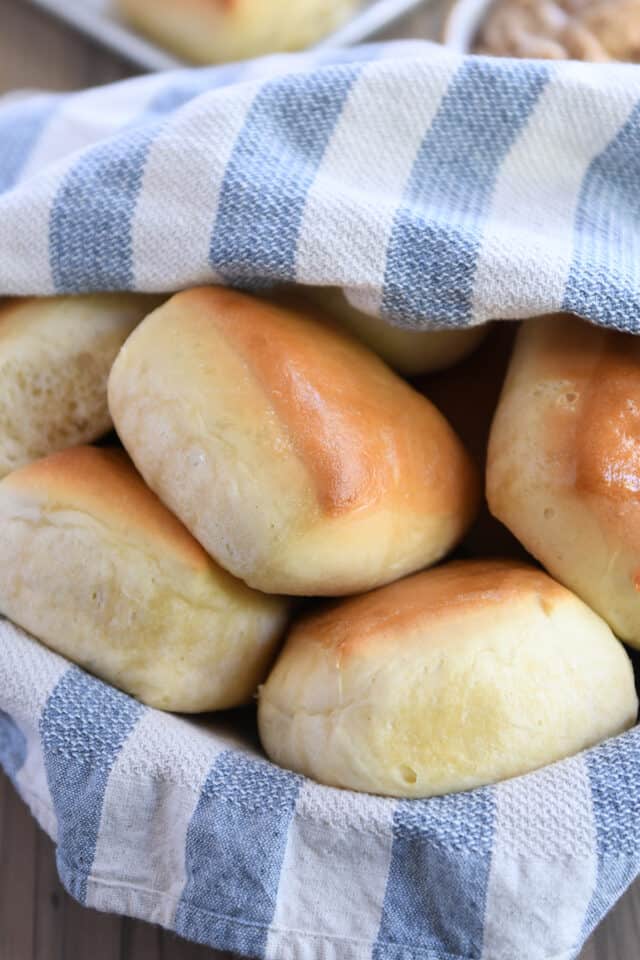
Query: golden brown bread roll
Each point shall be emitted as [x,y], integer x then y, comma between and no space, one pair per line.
[98,569]
[55,357]
[294,455]
[410,352]
[461,676]
[211,31]
[563,471]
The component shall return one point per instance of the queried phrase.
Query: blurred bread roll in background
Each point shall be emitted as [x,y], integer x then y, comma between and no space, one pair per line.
[291,452]
[563,470]
[212,31]
[93,565]
[467,394]
[471,673]
[410,352]
[55,357]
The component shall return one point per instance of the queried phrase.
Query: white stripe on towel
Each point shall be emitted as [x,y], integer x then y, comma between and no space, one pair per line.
[539,854]
[532,213]
[333,880]
[355,195]
[145,818]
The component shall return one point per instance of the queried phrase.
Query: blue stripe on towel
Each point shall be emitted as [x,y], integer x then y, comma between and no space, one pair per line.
[268,176]
[20,128]
[90,229]
[83,727]
[235,847]
[605,274]
[13,745]
[436,236]
[438,877]
[614,775]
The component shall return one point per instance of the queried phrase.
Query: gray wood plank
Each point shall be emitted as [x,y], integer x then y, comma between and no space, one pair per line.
[618,937]
[17,877]
[175,948]
[140,941]
[87,933]
[48,905]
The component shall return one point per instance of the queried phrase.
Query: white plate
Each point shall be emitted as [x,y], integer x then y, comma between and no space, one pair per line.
[98,19]
[463,22]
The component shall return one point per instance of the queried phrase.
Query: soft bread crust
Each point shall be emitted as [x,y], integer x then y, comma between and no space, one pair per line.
[55,357]
[297,458]
[461,676]
[410,352]
[563,470]
[97,568]
[211,31]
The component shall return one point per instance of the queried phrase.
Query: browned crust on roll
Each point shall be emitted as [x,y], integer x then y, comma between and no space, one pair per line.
[104,484]
[354,424]
[385,615]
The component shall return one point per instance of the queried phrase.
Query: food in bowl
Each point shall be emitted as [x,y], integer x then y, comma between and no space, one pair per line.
[595,30]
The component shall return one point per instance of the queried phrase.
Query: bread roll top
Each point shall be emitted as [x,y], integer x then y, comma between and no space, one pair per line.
[402,614]
[563,469]
[354,425]
[103,484]
[460,676]
[55,357]
[211,31]
[293,454]
[94,565]
[594,424]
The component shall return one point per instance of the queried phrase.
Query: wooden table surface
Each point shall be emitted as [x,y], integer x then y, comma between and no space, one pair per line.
[38,920]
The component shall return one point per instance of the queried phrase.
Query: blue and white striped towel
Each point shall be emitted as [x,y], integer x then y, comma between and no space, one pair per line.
[437,190]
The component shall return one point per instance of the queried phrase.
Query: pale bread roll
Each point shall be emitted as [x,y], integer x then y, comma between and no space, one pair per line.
[55,357]
[295,456]
[410,352]
[563,470]
[97,568]
[211,31]
[471,673]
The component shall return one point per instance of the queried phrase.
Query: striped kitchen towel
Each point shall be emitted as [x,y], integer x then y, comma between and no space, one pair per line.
[437,190]
[183,823]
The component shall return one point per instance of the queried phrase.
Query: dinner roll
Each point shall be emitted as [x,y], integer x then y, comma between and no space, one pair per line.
[295,456]
[97,568]
[410,352]
[55,356]
[210,31]
[563,471]
[471,673]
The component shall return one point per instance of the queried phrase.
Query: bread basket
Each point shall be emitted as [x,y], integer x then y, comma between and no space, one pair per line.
[184,822]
